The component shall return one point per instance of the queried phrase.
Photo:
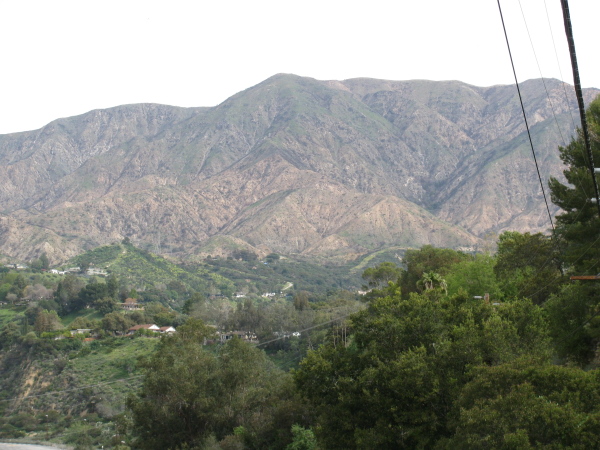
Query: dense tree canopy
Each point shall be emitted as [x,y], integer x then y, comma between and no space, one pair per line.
[394,385]
[528,265]
[476,277]
[191,395]
[425,260]
[382,274]
[528,405]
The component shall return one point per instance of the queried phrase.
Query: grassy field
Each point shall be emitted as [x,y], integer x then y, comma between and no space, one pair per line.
[7,314]
[90,313]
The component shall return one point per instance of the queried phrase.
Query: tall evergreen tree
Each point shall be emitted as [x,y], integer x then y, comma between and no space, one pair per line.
[573,311]
[579,225]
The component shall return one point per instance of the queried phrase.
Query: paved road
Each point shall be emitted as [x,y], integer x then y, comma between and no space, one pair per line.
[7,446]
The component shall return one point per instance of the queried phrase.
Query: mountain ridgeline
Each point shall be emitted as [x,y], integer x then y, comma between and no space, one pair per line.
[293,165]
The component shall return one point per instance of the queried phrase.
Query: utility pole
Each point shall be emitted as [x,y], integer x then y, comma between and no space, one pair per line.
[579,95]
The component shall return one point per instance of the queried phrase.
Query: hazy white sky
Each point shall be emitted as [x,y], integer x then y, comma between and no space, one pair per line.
[62,58]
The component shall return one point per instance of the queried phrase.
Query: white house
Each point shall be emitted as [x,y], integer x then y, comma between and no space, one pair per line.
[148,326]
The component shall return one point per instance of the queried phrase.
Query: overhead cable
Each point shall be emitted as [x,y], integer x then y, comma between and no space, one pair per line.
[559,67]
[525,118]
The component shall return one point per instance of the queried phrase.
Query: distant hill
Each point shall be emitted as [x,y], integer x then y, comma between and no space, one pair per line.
[319,169]
[156,277]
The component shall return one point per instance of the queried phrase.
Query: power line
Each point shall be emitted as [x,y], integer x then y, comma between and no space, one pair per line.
[541,76]
[559,67]
[525,117]
[580,185]
[579,94]
[307,329]
[567,102]
[553,237]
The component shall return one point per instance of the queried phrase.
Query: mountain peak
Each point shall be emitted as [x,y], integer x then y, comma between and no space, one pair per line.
[291,165]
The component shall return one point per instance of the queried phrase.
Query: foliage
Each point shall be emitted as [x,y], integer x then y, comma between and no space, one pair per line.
[244,255]
[578,229]
[303,439]
[190,393]
[272,257]
[274,274]
[116,322]
[574,324]
[42,263]
[47,321]
[195,299]
[528,405]
[90,294]
[432,280]
[89,380]
[415,369]
[301,301]
[476,277]
[379,276]
[9,335]
[83,322]
[427,259]
[579,225]
[141,268]
[246,316]
[67,293]
[528,265]
[393,387]
[105,305]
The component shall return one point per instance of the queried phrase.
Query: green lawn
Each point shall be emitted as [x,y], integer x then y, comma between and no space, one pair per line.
[7,314]
[90,313]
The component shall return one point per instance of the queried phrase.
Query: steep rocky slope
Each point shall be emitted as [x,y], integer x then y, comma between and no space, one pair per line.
[292,165]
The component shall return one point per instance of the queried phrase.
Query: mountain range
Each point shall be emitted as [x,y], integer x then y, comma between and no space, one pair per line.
[293,165]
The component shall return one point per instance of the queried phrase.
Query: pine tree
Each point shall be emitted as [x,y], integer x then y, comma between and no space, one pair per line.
[573,310]
[579,225]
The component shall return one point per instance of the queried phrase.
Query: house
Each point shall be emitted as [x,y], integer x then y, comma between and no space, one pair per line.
[81,331]
[57,272]
[100,272]
[131,304]
[86,333]
[286,334]
[148,326]
[166,330]
[246,336]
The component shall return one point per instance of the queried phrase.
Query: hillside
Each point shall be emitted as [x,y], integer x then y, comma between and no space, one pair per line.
[154,275]
[107,370]
[297,166]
